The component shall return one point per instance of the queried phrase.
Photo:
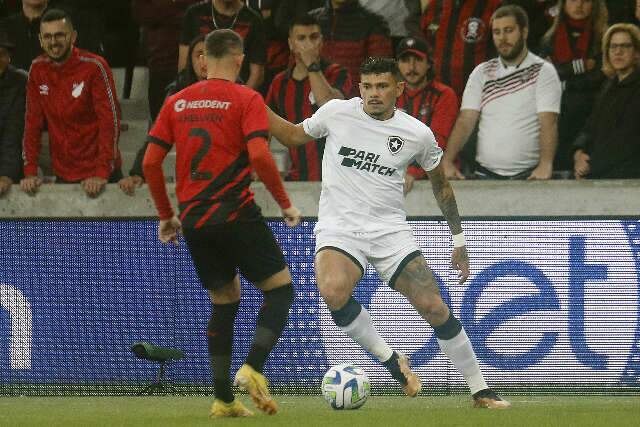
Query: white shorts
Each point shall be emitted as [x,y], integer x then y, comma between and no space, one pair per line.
[388,253]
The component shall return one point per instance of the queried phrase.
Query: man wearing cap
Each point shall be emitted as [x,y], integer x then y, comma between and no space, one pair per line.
[432,102]
[13,83]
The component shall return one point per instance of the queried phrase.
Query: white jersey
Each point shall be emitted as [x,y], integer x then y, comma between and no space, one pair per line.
[364,164]
[509,99]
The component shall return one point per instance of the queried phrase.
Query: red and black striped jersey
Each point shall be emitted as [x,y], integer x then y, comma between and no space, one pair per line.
[198,19]
[459,33]
[293,100]
[210,124]
[435,105]
[351,34]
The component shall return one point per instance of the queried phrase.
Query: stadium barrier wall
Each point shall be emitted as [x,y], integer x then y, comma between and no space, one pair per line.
[553,303]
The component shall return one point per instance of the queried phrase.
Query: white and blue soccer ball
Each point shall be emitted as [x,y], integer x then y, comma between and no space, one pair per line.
[345,386]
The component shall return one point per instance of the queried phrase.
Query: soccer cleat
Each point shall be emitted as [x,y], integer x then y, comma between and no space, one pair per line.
[233,409]
[256,385]
[488,398]
[413,385]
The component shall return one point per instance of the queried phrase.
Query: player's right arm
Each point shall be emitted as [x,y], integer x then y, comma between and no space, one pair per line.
[286,132]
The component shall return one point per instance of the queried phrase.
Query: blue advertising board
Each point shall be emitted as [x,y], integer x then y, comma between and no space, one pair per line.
[550,303]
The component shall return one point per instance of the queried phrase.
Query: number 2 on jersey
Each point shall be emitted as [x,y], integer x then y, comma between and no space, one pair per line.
[204,136]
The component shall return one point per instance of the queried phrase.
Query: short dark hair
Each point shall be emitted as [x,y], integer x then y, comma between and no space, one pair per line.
[376,65]
[52,15]
[221,43]
[514,11]
[304,20]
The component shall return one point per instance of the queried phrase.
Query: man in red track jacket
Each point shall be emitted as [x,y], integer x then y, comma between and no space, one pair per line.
[73,92]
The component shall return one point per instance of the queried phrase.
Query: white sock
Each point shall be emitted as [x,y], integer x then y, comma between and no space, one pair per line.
[361,330]
[458,349]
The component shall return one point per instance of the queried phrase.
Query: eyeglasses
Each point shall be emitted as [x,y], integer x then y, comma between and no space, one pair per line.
[622,46]
[59,37]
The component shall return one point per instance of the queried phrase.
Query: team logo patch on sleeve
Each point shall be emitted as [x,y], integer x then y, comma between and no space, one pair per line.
[395,144]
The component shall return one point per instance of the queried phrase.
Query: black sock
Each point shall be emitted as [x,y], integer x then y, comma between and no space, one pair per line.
[220,343]
[271,321]
[393,368]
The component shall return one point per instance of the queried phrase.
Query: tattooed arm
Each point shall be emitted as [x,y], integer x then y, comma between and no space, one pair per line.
[443,193]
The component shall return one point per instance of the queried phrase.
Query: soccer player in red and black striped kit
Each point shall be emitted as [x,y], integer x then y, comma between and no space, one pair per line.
[219,129]
[428,100]
[298,92]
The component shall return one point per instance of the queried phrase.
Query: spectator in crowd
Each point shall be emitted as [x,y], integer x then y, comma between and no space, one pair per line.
[621,11]
[516,98]
[13,84]
[298,92]
[459,33]
[195,71]
[351,33]
[73,91]
[573,44]
[207,16]
[609,144]
[160,21]
[278,55]
[433,103]
[23,29]
[541,14]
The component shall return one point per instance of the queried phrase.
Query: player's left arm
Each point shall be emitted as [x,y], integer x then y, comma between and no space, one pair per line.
[443,192]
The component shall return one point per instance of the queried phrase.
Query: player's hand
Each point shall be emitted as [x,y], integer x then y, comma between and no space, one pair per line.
[30,184]
[450,170]
[460,262]
[5,184]
[129,184]
[581,166]
[292,216]
[169,229]
[408,183]
[93,186]
[541,172]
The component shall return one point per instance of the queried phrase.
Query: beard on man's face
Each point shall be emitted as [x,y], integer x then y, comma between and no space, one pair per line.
[512,53]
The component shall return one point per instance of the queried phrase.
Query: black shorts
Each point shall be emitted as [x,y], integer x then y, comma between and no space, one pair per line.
[219,251]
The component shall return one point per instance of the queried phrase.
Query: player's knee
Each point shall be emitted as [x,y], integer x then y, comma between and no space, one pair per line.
[334,289]
[436,311]
[226,294]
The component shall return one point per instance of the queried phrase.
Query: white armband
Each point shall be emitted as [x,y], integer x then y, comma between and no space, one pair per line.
[458,240]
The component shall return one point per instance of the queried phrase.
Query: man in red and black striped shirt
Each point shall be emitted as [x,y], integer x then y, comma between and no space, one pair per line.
[460,34]
[297,93]
[352,34]
[220,132]
[433,103]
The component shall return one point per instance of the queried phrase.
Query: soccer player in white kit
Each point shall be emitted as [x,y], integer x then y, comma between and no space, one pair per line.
[361,220]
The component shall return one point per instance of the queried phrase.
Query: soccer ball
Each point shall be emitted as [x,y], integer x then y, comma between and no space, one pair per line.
[345,386]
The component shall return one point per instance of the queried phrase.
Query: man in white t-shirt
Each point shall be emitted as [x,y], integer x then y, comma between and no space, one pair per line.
[516,97]
[362,219]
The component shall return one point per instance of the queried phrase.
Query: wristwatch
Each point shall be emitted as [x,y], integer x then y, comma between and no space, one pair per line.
[314,68]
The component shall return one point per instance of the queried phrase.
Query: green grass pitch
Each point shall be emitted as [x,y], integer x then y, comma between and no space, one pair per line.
[302,411]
